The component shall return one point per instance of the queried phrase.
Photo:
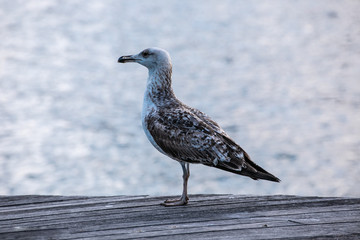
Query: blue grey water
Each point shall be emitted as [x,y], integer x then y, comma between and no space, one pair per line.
[281,77]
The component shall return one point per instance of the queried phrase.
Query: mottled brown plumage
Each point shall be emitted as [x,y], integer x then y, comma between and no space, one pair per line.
[184,133]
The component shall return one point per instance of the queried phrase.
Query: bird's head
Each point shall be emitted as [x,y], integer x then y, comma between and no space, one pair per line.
[151,58]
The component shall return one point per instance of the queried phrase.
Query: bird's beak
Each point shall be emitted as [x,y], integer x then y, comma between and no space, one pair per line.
[128,58]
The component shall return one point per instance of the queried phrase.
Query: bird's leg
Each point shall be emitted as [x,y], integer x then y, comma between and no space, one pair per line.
[183,200]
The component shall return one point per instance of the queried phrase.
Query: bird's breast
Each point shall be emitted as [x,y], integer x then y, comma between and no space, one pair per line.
[149,108]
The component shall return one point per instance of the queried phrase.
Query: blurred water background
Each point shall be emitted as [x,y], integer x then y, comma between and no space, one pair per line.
[281,77]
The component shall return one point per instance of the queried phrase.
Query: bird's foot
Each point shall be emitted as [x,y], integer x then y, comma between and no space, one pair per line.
[175,202]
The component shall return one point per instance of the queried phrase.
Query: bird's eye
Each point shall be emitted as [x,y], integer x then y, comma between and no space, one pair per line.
[145,54]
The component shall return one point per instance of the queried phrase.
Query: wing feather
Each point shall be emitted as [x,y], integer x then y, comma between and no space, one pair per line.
[186,134]
[189,137]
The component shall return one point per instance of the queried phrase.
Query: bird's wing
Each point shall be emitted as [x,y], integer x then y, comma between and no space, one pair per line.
[211,123]
[185,136]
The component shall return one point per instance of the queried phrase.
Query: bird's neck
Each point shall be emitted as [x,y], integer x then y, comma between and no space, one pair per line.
[159,88]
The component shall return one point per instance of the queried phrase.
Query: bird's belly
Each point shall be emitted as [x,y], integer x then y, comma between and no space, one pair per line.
[149,107]
[151,139]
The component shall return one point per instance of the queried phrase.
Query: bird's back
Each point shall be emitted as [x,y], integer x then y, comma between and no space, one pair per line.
[187,134]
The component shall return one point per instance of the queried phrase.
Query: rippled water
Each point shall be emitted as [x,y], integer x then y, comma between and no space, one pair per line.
[281,77]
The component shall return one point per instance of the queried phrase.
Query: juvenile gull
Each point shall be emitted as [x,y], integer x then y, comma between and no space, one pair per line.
[186,134]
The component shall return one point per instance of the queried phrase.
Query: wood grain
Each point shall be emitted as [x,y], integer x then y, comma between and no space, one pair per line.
[205,217]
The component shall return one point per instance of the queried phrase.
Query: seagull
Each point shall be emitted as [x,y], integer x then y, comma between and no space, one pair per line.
[183,133]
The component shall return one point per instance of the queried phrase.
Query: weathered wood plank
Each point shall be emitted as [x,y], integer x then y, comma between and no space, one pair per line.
[210,226]
[118,212]
[134,204]
[206,217]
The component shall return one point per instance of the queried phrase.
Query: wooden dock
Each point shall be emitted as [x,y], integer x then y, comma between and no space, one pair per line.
[205,217]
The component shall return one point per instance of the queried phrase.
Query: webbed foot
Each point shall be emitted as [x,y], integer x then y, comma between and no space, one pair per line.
[175,202]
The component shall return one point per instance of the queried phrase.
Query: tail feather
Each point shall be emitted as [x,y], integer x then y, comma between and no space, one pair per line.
[257,174]
[260,175]
[247,167]
[244,165]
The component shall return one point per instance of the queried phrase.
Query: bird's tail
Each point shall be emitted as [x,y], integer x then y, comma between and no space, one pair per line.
[251,170]
[256,172]
[260,175]
[245,166]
